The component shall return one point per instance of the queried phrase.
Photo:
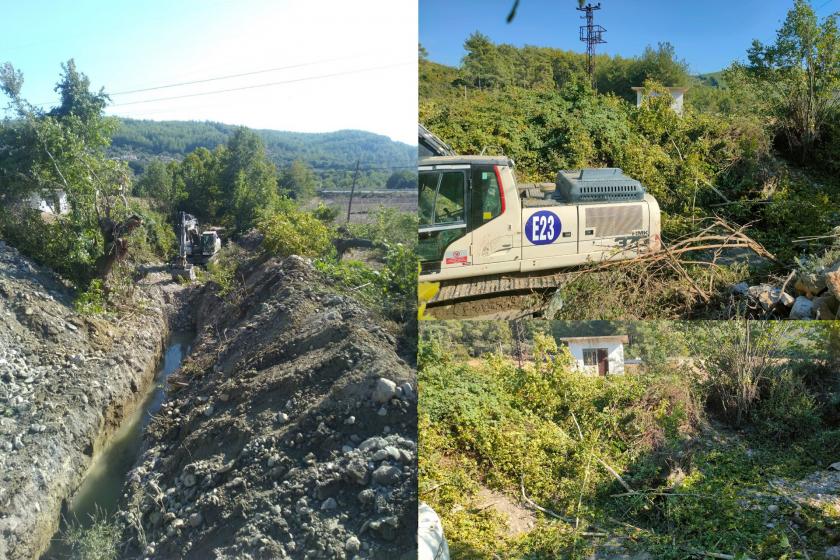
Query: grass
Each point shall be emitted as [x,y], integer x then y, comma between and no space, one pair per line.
[697,484]
[98,540]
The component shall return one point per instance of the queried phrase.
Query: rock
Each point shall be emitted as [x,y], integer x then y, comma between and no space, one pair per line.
[810,283]
[801,309]
[384,391]
[189,480]
[357,471]
[832,282]
[773,508]
[208,412]
[373,443]
[329,504]
[825,307]
[408,391]
[282,418]
[196,519]
[386,475]
[352,545]
[740,289]
[769,297]
[835,466]
[832,553]
[350,420]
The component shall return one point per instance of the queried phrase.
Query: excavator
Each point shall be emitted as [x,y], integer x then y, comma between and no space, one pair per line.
[194,247]
[481,234]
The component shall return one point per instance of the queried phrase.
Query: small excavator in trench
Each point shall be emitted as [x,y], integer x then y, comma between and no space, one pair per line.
[481,234]
[195,247]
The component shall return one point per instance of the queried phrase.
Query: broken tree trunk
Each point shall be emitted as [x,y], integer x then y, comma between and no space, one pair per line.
[116,242]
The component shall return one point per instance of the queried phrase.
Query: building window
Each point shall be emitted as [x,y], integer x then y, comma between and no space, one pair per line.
[590,357]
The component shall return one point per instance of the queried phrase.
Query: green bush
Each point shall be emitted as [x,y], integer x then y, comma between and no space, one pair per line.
[787,409]
[390,226]
[222,269]
[98,541]
[294,232]
[93,300]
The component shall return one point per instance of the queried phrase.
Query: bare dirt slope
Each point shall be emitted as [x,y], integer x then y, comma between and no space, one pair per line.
[66,381]
[289,432]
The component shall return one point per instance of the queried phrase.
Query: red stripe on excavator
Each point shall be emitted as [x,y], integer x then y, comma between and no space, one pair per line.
[501,188]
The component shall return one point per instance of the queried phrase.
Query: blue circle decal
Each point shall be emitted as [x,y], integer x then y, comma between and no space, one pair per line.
[543,227]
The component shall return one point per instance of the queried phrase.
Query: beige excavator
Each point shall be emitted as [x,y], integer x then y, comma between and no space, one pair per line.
[481,234]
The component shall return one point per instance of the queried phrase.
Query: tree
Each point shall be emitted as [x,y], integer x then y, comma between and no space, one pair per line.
[298,181]
[483,66]
[158,183]
[62,153]
[405,179]
[249,180]
[198,176]
[799,76]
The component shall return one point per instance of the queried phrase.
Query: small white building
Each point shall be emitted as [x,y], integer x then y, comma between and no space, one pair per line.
[58,204]
[598,355]
[677,97]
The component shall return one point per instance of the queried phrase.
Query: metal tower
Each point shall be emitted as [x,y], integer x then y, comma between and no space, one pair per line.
[592,35]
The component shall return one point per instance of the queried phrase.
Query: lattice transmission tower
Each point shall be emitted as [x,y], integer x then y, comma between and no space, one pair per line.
[592,35]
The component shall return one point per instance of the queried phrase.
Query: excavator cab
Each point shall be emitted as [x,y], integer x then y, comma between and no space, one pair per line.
[457,195]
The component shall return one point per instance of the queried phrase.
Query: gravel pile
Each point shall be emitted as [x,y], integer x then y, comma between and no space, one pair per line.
[289,432]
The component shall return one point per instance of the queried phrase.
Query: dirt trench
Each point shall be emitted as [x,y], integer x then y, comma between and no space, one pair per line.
[66,383]
[289,432]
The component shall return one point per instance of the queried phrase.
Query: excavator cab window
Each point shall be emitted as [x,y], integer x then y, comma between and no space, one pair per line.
[485,196]
[442,211]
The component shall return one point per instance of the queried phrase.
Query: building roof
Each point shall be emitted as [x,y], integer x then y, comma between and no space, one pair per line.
[465,160]
[675,89]
[623,338]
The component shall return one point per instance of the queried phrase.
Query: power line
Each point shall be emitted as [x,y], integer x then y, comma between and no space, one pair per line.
[229,76]
[320,77]
[226,77]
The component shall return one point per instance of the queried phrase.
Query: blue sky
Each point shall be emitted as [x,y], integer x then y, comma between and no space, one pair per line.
[709,34]
[367,49]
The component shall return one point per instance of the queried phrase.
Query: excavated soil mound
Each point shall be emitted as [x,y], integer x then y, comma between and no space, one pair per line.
[289,432]
[66,382]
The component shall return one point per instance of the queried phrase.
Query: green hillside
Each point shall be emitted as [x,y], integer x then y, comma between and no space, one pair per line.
[332,155]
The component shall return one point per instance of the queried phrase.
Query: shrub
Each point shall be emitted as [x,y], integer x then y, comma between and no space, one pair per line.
[98,541]
[390,226]
[787,410]
[293,232]
[92,301]
[222,269]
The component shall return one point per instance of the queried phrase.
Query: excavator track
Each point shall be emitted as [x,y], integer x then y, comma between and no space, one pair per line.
[497,285]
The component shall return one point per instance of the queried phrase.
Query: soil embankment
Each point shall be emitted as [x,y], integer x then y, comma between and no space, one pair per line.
[289,432]
[66,383]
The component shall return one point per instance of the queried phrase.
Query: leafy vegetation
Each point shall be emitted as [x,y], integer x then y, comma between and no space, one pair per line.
[646,460]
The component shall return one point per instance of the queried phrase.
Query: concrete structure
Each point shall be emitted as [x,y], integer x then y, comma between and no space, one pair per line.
[677,95]
[598,355]
[58,206]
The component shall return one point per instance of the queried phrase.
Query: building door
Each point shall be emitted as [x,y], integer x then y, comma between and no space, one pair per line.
[603,361]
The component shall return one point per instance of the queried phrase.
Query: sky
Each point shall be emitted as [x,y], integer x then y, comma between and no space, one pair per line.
[708,34]
[362,54]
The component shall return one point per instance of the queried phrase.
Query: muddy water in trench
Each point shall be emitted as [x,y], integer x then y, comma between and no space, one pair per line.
[101,489]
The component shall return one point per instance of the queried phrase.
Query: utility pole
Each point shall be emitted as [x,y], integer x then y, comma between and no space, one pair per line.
[592,35]
[352,191]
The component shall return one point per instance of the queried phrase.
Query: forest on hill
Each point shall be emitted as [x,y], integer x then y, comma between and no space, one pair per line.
[758,144]
[331,155]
